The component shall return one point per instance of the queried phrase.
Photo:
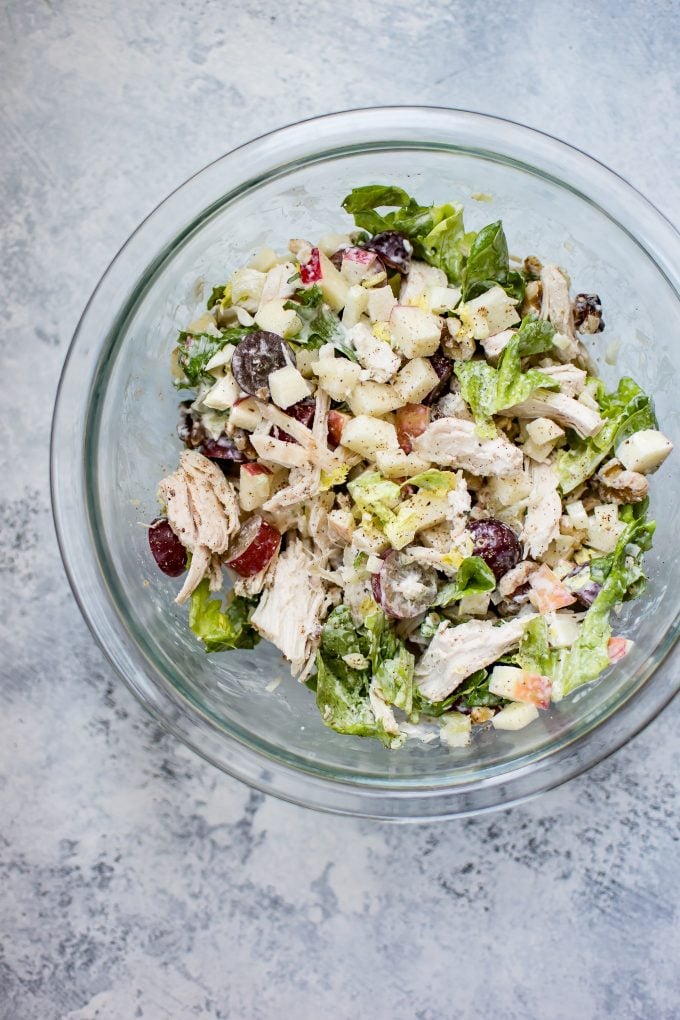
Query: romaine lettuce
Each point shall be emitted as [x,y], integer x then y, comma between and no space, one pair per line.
[474,577]
[221,630]
[194,351]
[488,264]
[320,325]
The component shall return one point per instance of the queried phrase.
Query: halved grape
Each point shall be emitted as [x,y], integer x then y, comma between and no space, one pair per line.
[496,544]
[411,420]
[406,589]
[194,436]
[257,543]
[394,249]
[256,357]
[580,583]
[167,550]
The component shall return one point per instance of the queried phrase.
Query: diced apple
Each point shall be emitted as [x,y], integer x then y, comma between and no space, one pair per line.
[508,491]
[264,260]
[373,398]
[219,360]
[223,394]
[330,243]
[274,318]
[255,486]
[415,380]
[341,523]
[543,430]
[548,593]
[336,423]
[491,312]
[455,729]
[539,454]
[618,648]
[562,629]
[305,357]
[514,717]
[411,421]
[356,304]
[381,301]
[287,386]
[604,527]
[376,356]
[416,333]
[318,268]
[420,279]
[357,264]
[397,464]
[310,265]
[577,514]
[644,451]
[245,414]
[337,376]
[474,605]
[520,685]
[367,436]
[442,299]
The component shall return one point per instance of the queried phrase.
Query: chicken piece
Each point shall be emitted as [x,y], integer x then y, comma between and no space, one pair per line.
[516,578]
[290,611]
[456,652]
[304,481]
[566,411]
[496,344]
[451,405]
[556,308]
[375,356]
[276,283]
[203,512]
[617,485]
[460,503]
[572,379]
[453,442]
[544,510]
[312,441]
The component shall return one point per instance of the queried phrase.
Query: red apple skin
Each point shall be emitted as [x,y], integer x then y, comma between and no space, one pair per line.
[411,421]
[253,468]
[366,258]
[257,544]
[336,423]
[311,271]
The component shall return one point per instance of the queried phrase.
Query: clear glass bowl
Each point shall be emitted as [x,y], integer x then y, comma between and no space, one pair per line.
[114,438]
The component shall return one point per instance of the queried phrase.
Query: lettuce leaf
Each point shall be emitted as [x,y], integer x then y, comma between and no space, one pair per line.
[474,577]
[474,693]
[194,351]
[342,690]
[488,264]
[625,411]
[320,325]
[222,630]
[622,576]
[534,652]
[488,390]
[434,480]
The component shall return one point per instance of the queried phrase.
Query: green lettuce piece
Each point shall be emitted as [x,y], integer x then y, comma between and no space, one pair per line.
[371,489]
[446,245]
[488,265]
[474,577]
[474,693]
[488,390]
[534,654]
[342,690]
[196,349]
[433,479]
[222,630]
[625,411]
[622,575]
[320,325]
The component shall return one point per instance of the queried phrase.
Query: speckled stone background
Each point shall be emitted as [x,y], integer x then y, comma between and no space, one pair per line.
[136,881]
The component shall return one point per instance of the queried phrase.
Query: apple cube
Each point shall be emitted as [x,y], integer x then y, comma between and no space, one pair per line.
[508,491]
[337,376]
[539,454]
[416,379]
[604,527]
[514,717]
[455,729]
[305,358]
[491,312]
[245,414]
[381,301]
[443,299]
[577,515]
[255,486]
[310,266]
[358,264]
[287,386]
[416,333]
[276,283]
[542,431]
[318,268]
[264,260]
[330,243]
[644,451]
[420,279]
[520,685]
[376,356]
[367,436]
[548,593]
[562,629]
[220,360]
[397,464]
[356,304]
[274,318]
[223,394]
[372,398]
[618,648]
[474,605]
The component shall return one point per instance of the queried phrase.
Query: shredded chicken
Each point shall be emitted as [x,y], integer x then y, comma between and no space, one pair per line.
[561,409]
[544,509]
[382,711]
[454,442]
[572,379]
[460,503]
[375,356]
[290,611]
[304,480]
[203,512]
[556,308]
[456,652]
[496,344]
[618,485]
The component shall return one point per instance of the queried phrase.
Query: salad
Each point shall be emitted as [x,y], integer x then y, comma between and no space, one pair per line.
[399,450]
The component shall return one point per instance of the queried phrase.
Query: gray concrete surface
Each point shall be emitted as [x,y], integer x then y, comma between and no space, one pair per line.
[136,881]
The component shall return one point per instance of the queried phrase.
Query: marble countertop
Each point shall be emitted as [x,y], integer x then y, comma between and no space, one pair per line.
[136,880]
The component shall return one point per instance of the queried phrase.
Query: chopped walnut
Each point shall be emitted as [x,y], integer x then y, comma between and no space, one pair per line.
[617,485]
[588,313]
[533,297]
[481,714]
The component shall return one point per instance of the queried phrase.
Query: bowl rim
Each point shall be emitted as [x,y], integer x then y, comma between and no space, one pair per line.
[282,779]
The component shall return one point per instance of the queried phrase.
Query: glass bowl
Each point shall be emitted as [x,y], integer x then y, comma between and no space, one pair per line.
[114,438]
